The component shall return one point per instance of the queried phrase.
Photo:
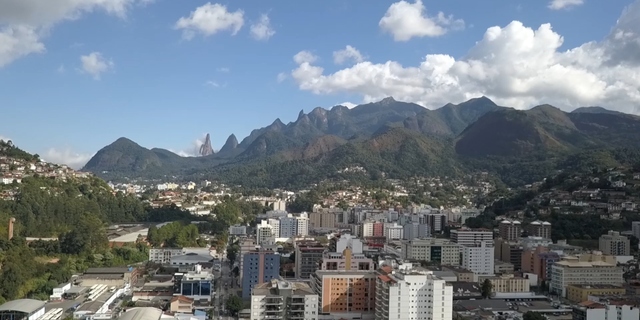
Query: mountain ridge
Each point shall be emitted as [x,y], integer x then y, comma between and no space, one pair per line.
[389,137]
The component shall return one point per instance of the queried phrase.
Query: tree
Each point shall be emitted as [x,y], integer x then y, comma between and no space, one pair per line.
[486,288]
[232,253]
[531,315]
[234,304]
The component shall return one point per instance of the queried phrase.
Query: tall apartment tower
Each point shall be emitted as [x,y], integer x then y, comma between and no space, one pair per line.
[510,230]
[412,293]
[539,229]
[614,244]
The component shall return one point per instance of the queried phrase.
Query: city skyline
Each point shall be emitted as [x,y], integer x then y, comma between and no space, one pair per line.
[77,75]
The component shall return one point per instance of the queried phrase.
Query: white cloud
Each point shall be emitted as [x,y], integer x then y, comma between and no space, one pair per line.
[61,69]
[24,23]
[282,76]
[67,156]
[406,20]
[223,69]
[515,65]
[348,53]
[262,29]
[95,64]
[193,150]
[348,104]
[562,4]
[215,84]
[304,56]
[210,19]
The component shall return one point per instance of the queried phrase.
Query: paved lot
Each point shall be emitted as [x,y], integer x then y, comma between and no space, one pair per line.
[64,304]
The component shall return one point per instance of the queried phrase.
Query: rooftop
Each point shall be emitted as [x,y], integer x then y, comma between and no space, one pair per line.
[272,288]
[595,286]
[22,305]
[141,314]
[107,270]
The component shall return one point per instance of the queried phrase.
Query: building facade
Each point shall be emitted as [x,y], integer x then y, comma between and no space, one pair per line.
[470,237]
[278,299]
[259,267]
[437,250]
[584,269]
[479,257]
[615,244]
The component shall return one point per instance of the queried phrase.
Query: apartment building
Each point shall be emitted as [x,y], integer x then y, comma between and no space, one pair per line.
[325,220]
[392,231]
[479,257]
[279,299]
[441,251]
[260,266]
[470,237]
[615,244]
[509,284]
[345,282]
[510,230]
[539,229]
[411,293]
[308,256]
[581,292]
[539,261]
[585,269]
[266,233]
[415,230]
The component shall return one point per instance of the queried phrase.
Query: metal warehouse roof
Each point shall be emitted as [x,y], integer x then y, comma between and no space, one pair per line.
[23,305]
[142,314]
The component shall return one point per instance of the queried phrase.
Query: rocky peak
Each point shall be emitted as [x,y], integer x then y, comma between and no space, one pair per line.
[387,101]
[231,144]
[301,114]
[205,148]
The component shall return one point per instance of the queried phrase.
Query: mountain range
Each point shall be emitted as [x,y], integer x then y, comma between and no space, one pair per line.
[391,138]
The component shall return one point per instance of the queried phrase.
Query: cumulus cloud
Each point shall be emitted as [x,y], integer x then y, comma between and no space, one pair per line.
[404,20]
[24,23]
[346,54]
[262,30]
[304,57]
[67,156]
[95,64]
[563,4]
[210,19]
[515,65]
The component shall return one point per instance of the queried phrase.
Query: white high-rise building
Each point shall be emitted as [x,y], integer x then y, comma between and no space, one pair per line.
[598,311]
[265,233]
[275,223]
[479,258]
[280,299]
[303,224]
[412,294]
[392,231]
[468,237]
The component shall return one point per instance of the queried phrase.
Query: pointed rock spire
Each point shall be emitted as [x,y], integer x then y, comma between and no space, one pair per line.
[231,144]
[205,148]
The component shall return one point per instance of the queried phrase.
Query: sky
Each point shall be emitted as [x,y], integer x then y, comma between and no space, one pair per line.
[75,75]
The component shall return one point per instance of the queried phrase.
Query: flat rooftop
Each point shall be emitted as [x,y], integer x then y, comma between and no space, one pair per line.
[595,286]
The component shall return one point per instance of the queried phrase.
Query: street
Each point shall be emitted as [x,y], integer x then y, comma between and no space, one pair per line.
[225,286]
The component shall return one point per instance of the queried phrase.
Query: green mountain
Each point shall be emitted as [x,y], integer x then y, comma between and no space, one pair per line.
[398,140]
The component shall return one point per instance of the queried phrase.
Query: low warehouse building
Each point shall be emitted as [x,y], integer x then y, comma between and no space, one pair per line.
[22,309]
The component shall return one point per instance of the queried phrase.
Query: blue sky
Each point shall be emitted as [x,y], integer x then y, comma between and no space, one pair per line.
[77,75]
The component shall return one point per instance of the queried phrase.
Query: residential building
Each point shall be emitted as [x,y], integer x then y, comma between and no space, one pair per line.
[584,269]
[501,267]
[246,245]
[283,300]
[462,274]
[275,224]
[163,255]
[339,273]
[581,292]
[441,251]
[392,231]
[415,230]
[259,267]
[288,227]
[510,230]
[325,220]
[539,262]
[436,221]
[615,244]
[266,233]
[308,255]
[539,229]
[509,284]
[303,224]
[237,230]
[181,304]
[411,293]
[635,229]
[467,236]
[479,257]
[590,310]
[509,251]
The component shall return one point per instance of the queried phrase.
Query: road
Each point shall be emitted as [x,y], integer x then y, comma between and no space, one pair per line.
[225,287]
